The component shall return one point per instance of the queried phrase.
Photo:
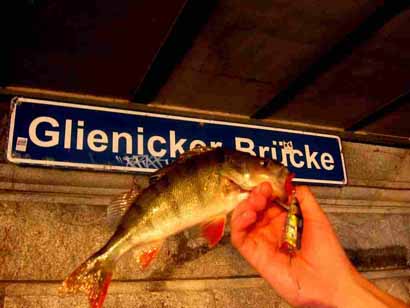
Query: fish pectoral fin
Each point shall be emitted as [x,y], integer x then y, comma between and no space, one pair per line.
[148,253]
[213,230]
[120,205]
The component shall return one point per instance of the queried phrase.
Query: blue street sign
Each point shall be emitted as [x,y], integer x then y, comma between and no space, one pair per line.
[78,136]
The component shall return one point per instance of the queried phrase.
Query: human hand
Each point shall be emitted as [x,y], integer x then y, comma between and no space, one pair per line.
[319,274]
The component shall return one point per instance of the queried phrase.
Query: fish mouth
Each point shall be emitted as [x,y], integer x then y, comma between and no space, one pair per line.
[236,187]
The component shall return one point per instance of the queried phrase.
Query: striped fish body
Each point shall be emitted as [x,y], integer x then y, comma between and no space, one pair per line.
[189,194]
[200,188]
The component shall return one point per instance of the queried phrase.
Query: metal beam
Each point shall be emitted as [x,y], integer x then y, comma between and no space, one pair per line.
[7,10]
[336,54]
[382,110]
[15,18]
[180,38]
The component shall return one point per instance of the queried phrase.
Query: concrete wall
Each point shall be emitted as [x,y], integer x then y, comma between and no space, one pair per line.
[51,220]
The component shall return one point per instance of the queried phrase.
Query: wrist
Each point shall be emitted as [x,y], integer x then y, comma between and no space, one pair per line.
[354,292]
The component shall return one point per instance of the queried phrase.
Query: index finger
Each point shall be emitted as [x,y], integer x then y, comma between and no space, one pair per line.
[257,200]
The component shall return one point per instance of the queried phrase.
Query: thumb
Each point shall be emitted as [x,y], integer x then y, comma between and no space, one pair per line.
[309,206]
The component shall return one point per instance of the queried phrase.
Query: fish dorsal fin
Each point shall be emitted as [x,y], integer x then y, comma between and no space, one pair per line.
[198,150]
[120,205]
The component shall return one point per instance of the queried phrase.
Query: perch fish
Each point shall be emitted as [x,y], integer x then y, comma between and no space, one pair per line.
[199,188]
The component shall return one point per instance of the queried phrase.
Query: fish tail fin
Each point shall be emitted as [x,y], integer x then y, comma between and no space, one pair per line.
[93,278]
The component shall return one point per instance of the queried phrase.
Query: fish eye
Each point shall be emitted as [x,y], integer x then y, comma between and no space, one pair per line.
[264,163]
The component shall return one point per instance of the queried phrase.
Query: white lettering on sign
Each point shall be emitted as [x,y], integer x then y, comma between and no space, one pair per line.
[311,158]
[216,144]
[140,141]
[80,135]
[195,143]
[116,137]
[299,154]
[245,145]
[327,161]
[97,140]
[67,134]
[151,146]
[57,134]
[54,135]
[175,146]
[47,132]
[263,150]
[289,155]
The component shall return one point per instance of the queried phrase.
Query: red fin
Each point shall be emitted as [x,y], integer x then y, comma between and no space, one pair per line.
[146,258]
[93,278]
[289,185]
[148,254]
[97,296]
[214,230]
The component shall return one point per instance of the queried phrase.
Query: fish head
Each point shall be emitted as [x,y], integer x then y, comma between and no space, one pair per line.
[247,171]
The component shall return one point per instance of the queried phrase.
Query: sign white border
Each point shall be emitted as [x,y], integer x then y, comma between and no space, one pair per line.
[48,163]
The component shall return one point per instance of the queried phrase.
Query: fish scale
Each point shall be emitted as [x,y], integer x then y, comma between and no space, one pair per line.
[199,188]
